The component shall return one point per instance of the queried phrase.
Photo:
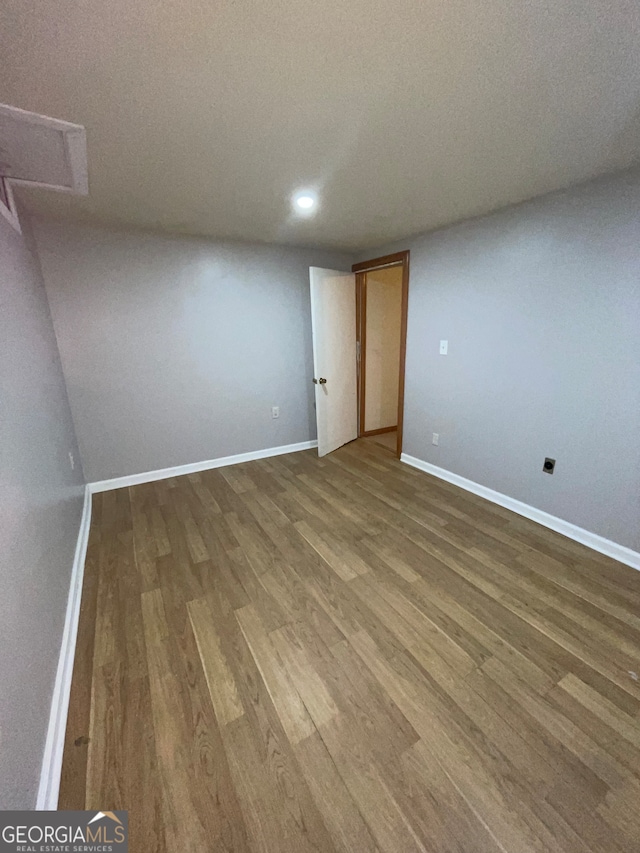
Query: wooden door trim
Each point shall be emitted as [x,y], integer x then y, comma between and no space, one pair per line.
[361,338]
[380,431]
[360,269]
[393,260]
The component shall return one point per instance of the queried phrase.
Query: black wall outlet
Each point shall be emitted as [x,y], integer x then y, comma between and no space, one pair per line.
[549,465]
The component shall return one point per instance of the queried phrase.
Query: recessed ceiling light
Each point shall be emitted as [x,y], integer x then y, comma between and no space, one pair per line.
[305,201]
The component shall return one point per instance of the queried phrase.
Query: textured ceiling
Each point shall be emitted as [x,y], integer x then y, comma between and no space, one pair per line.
[203,117]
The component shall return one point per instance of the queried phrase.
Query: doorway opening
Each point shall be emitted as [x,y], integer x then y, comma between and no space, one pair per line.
[349,351]
[382,291]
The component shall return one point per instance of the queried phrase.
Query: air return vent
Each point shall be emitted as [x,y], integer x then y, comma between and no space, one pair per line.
[40,151]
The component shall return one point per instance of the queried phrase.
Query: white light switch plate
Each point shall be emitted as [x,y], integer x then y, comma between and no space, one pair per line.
[444,347]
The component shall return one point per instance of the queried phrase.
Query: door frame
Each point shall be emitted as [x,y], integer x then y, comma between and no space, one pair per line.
[397,259]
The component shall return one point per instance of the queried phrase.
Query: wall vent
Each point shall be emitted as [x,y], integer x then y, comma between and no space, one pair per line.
[39,151]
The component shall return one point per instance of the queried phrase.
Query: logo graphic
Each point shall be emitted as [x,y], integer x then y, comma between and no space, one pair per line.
[111,815]
[64,832]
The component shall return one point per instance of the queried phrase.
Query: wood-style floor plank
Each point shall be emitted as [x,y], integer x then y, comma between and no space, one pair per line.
[303,654]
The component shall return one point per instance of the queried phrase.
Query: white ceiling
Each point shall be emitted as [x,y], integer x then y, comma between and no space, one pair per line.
[203,116]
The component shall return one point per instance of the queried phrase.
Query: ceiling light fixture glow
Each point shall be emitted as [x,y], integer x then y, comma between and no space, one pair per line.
[305,201]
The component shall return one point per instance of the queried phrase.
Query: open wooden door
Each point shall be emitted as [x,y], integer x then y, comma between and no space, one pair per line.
[333,324]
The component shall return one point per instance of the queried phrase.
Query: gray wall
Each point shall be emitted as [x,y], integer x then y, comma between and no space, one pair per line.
[540,304]
[175,349]
[40,509]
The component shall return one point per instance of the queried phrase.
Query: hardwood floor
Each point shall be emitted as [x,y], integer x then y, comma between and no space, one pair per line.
[384,439]
[347,654]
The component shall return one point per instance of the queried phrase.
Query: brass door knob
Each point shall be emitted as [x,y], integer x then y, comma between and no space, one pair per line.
[322,381]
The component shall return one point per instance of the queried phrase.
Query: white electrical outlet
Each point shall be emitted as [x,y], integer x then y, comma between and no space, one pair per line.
[444,347]
[275,412]
[436,438]
[72,461]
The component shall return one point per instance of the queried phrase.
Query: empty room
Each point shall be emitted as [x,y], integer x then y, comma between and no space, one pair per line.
[320,426]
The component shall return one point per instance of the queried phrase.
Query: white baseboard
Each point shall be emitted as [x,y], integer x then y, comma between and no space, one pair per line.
[54,746]
[572,531]
[193,467]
